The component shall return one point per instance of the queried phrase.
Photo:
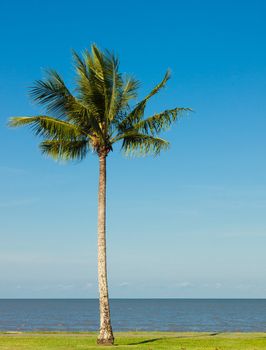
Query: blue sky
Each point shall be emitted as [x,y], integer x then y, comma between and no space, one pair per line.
[188,224]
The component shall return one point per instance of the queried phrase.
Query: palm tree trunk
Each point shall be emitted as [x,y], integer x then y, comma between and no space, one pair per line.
[106,333]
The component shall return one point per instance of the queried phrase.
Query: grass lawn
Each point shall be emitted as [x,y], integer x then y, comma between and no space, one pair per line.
[134,341]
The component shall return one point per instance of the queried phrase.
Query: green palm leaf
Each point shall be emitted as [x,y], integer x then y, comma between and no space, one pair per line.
[160,122]
[48,127]
[53,94]
[137,113]
[65,150]
[137,144]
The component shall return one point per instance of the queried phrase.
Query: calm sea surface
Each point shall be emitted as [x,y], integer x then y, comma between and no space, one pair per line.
[134,314]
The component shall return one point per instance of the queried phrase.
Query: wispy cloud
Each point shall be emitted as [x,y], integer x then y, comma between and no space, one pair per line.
[187,212]
[18,202]
[65,286]
[216,285]
[123,284]
[245,286]
[12,171]
[88,285]
[29,257]
[184,284]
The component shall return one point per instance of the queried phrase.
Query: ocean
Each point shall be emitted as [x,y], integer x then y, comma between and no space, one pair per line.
[203,315]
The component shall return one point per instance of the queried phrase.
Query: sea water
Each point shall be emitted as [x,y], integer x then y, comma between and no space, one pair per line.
[211,315]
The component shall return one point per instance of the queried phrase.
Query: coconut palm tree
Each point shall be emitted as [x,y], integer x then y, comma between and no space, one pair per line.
[97,115]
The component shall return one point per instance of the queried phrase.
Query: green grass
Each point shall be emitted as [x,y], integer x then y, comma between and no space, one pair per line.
[134,341]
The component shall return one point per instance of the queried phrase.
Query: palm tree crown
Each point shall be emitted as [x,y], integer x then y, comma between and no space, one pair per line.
[100,112]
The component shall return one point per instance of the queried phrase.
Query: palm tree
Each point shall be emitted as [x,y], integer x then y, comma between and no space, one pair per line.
[99,114]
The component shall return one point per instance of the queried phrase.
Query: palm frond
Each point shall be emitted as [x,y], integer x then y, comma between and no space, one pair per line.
[52,93]
[115,86]
[105,66]
[159,86]
[137,113]
[48,127]
[137,144]
[128,92]
[89,88]
[160,122]
[80,65]
[64,149]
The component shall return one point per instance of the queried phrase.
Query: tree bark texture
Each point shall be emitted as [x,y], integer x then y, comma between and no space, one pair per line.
[106,333]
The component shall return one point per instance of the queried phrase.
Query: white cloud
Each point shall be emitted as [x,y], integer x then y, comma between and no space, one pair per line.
[123,284]
[18,202]
[12,171]
[216,285]
[184,284]
[88,285]
[65,286]
[244,286]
